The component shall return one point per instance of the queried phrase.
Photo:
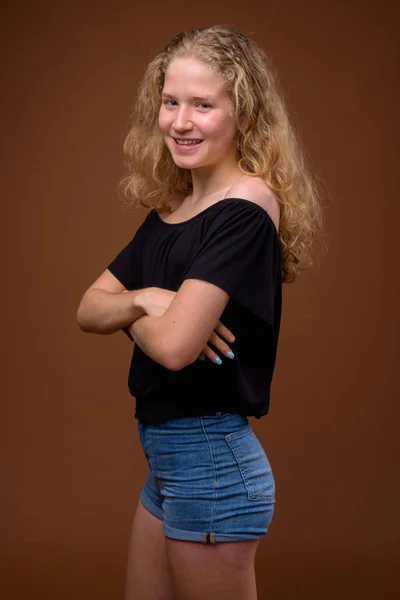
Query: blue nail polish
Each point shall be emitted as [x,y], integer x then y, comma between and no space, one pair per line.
[230,355]
[218,361]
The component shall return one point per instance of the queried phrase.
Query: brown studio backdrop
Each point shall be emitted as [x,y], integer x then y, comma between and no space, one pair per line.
[72,464]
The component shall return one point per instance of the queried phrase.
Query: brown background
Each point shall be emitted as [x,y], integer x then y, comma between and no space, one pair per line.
[72,464]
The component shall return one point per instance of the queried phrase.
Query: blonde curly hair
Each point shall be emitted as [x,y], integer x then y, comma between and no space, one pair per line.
[267,146]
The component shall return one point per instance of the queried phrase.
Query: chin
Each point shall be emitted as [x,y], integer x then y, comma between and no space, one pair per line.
[186,162]
[186,166]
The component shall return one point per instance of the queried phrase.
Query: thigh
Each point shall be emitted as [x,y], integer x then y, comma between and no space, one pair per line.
[148,571]
[224,571]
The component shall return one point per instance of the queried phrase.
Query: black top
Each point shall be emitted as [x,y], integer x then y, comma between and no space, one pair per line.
[233,244]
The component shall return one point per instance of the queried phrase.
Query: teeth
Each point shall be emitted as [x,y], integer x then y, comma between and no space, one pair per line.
[189,142]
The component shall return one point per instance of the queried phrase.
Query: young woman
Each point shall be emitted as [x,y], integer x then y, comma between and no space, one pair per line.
[233,211]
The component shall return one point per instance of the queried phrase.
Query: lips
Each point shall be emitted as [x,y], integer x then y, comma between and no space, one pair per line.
[187,141]
[183,145]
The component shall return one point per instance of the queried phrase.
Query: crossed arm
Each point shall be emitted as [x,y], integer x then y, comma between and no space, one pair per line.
[177,337]
[174,339]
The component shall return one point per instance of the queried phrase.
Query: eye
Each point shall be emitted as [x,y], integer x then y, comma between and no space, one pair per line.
[168,103]
[204,105]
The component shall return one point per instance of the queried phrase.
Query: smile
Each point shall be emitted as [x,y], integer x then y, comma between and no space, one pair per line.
[186,145]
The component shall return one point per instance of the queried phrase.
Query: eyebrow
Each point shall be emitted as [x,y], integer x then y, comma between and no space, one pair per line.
[198,98]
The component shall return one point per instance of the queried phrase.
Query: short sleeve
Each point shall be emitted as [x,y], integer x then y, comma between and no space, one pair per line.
[241,254]
[127,265]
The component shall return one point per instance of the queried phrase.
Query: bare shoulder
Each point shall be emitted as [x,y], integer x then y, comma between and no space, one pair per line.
[255,190]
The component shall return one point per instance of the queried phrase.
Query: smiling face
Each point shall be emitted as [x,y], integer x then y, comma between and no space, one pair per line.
[196,116]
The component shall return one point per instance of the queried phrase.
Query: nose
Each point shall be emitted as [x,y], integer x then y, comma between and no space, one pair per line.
[182,120]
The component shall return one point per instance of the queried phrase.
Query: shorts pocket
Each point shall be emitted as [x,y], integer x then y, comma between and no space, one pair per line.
[253,464]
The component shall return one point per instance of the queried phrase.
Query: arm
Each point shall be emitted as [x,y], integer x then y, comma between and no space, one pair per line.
[105,312]
[176,338]
[104,309]
[148,333]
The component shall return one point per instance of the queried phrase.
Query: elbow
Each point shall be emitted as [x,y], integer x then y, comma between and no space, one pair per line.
[174,366]
[177,359]
[87,326]
[84,328]
[82,322]
[83,319]
[172,363]
[173,351]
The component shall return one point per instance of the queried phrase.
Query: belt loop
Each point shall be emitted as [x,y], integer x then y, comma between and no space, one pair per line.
[208,538]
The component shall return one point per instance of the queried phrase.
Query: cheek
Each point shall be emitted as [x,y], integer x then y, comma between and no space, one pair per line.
[223,132]
[164,121]
[230,127]
[222,128]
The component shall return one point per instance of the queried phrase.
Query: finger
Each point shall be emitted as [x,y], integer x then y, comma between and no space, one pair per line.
[211,355]
[224,331]
[220,345]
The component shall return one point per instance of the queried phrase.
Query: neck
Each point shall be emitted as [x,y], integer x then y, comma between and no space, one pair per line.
[211,180]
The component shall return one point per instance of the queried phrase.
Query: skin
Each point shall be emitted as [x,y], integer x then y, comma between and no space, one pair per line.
[196,105]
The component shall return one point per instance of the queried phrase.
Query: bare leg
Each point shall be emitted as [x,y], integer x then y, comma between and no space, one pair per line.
[223,570]
[148,574]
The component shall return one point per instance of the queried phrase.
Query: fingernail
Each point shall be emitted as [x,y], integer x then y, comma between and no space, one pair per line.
[218,361]
[230,355]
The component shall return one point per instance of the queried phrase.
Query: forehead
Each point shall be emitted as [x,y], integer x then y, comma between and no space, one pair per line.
[188,75]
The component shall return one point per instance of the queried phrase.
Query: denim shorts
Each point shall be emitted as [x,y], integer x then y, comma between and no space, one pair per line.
[209,478]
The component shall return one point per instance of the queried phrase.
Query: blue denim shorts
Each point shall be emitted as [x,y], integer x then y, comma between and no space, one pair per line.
[209,478]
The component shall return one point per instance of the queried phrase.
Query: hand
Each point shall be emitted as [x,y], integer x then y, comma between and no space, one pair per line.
[216,341]
[158,301]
